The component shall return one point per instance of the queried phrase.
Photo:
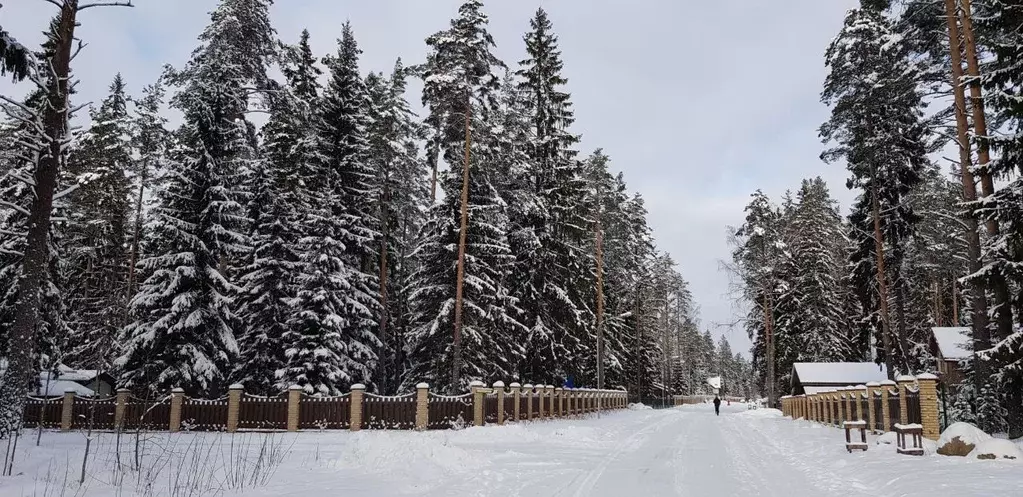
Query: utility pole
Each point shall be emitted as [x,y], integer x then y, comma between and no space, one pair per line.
[456,345]
[981,335]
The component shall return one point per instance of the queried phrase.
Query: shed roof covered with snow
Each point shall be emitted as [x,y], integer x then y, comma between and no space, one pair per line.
[953,342]
[813,377]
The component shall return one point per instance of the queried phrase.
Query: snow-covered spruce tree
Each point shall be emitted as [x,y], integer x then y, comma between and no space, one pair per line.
[547,225]
[150,140]
[183,333]
[97,232]
[996,30]
[402,194]
[14,57]
[291,161]
[877,127]
[757,257]
[814,326]
[344,127]
[460,89]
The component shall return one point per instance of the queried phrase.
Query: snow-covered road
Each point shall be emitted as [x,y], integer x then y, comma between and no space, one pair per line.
[677,452]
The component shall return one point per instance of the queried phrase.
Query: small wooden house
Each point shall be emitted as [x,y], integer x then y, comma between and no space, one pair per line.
[949,346]
[813,377]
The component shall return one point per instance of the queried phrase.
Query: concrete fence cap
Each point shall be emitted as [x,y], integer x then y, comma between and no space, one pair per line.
[70,390]
[515,384]
[358,386]
[873,384]
[126,390]
[927,376]
[422,386]
[528,385]
[178,390]
[906,377]
[850,387]
[888,383]
[559,389]
[861,387]
[550,387]
[295,387]
[236,386]
[499,384]
[477,383]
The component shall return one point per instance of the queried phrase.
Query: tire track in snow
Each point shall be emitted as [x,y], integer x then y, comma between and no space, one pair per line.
[634,441]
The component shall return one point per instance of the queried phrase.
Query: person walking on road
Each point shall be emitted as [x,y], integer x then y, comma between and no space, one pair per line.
[717,405]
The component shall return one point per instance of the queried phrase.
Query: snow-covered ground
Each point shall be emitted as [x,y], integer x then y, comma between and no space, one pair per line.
[687,451]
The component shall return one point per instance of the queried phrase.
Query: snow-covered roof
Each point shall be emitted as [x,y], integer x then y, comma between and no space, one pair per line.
[56,388]
[839,373]
[953,342]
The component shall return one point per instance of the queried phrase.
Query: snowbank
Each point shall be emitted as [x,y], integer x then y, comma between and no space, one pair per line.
[960,439]
[639,406]
[997,448]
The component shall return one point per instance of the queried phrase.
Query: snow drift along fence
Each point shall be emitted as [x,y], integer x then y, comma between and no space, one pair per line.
[295,410]
[911,401]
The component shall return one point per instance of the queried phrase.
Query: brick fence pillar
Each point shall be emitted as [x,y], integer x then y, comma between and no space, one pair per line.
[294,404]
[120,406]
[479,395]
[422,406]
[905,381]
[355,417]
[234,405]
[550,400]
[67,410]
[559,404]
[861,393]
[529,401]
[929,405]
[850,403]
[176,401]
[499,389]
[517,392]
[886,412]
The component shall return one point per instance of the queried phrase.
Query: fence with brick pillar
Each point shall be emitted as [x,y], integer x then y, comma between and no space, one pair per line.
[295,410]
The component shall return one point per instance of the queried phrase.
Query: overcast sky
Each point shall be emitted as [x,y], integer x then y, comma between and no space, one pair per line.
[699,103]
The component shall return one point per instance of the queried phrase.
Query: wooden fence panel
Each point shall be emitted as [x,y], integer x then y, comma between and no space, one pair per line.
[389,413]
[509,408]
[894,408]
[97,414]
[913,406]
[864,401]
[47,410]
[446,412]
[204,415]
[147,415]
[878,411]
[490,409]
[263,413]
[325,413]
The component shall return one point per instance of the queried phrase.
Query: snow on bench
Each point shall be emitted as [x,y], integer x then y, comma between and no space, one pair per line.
[916,433]
[855,425]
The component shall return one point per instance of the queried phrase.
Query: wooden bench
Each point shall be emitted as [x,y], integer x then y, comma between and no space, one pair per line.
[855,425]
[916,434]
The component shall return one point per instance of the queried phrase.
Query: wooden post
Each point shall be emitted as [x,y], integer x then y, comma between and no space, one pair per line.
[294,404]
[358,392]
[499,388]
[422,406]
[517,392]
[479,393]
[176,401]
[123,395]
[67,410]
[234,401]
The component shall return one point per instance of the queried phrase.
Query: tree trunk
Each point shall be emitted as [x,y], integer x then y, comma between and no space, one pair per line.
[600,291]
[15,385]
[385,364]
[882,277]
[903,334]
[433,157]
[456,345]
[1002,305]
[981,337]
[137,233]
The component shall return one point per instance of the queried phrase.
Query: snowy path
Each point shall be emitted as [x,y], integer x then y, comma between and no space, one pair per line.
[680,452]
